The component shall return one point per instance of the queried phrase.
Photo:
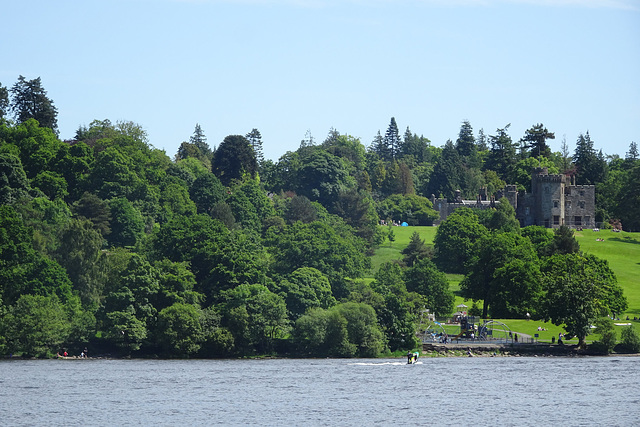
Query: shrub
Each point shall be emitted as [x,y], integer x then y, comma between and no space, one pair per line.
[607,341]
[629,340]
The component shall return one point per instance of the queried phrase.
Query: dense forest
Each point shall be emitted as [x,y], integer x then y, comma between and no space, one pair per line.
[107,243]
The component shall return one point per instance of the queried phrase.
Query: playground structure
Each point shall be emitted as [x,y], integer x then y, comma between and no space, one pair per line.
[468,328]
[430,330]
[462,327]
[495,331]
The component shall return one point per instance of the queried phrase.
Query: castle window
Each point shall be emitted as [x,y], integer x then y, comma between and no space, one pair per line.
[556,203]
[568,192]
[556,220]
[546,222]
[582,193]
[546,189]
[581,204]
[567,204]
[577,221]
[587,221]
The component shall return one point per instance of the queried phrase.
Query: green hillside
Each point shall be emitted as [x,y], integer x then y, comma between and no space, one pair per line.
[622,250]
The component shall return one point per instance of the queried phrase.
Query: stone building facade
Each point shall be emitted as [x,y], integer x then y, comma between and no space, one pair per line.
[554,201]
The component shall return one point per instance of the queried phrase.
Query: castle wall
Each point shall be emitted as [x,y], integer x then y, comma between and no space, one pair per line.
[580,207]
[553,202]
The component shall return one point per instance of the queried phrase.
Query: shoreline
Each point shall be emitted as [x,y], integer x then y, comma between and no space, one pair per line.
[511,350]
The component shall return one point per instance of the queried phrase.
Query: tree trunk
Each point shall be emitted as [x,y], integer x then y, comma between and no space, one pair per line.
[582,343]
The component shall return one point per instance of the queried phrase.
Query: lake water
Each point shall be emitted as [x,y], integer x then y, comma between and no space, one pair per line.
[505,391]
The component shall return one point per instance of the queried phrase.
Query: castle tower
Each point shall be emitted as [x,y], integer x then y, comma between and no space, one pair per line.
[548,196]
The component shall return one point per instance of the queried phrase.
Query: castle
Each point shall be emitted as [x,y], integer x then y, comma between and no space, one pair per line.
[554,200]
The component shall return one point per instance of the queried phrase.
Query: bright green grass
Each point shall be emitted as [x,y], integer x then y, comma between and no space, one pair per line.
[622,250]
[392,251]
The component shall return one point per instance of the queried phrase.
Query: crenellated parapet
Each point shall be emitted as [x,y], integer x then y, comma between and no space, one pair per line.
[553,201]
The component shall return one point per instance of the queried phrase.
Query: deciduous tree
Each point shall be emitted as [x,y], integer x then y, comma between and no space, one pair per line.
[578,290]
[454,240]
[425,279]
[233,159]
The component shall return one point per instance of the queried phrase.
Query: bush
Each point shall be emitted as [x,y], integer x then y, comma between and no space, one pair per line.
[607,341]
[629,340]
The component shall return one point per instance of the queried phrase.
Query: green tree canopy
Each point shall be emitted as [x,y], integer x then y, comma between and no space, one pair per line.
[455,238]
[36,325]
[578,290]
[535,140]
[425,279]
[410,208]
[233,159]
[29,100]
[179,329]
[305,288]
[492,273]
[255,316]
[319,246]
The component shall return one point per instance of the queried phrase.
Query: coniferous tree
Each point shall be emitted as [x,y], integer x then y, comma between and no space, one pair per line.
[502,156]
[590,166]
[481,141]
[332,138]
[200,141]
[446,177]
[535,140]
[392,140]
[308,140]
[415,251]
[465,144]
[4,101]
[30,101]
[566,155]
[378,146]
[632,155]
[255,139]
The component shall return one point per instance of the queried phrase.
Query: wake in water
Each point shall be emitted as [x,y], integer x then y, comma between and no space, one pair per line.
[383,363]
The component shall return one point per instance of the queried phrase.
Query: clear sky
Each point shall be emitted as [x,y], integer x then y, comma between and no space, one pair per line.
[287,67]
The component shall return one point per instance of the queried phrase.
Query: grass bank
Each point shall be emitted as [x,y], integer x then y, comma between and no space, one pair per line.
[621,250]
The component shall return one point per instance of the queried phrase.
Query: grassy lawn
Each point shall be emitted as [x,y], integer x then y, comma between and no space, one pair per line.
[622,250]
[392,251]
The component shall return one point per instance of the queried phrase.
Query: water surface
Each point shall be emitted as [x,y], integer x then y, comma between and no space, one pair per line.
[517,391]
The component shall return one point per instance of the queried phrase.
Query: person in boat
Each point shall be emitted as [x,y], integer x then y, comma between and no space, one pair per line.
[415,357]
[409,357]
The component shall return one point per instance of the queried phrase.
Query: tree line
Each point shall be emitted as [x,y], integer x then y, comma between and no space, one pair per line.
[107,242]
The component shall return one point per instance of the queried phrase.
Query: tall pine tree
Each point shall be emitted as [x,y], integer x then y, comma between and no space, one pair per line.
[535,140]
[590,166]
[255,139]
[30,101]
[392,140]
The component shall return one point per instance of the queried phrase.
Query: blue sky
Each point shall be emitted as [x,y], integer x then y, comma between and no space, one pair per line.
[287,67]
